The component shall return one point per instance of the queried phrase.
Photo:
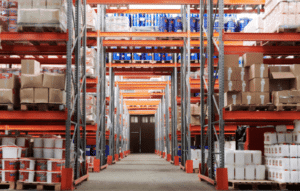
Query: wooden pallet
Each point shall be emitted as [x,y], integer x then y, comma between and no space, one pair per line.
[285,186]
[11,185]
[142,61]
[288,29]
[250,184]
[7,107]
[56,28]
[42,107]
[122,61]
[288,107]
[240,107]
[91,169]
[39,185]
[196,170]
[90,122]
[167,61]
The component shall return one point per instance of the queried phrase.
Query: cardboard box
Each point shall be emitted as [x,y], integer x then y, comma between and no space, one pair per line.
[248,98]
[195,120]
[278,69]
[232,98]
[39,4]
[230,86]
[279,85]
[232,73]
[243,86]
[244,74]
[25,4]
[252,58]
[56,81]
[231,60]
[258,71]
[295,84]
[30,67]
[262,98]
[195,109]
[27,95]
[259,85]
[41,95]
[239,86]
[295,68]
[31,81]
[7,96]
[8,81]
[280,97]
[57,96]
[54,4]
[294,96]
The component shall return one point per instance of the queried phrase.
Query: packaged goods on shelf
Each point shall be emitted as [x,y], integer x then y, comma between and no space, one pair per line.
[281,15]
[50,13]
[9,89]
[91,18]
[57,96]
[54,80]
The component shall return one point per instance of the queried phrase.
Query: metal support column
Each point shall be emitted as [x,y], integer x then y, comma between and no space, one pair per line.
[118,121]
[167,119]
[111,109]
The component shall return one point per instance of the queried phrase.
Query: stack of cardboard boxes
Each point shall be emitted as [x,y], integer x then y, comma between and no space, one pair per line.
[90,109]
[90,62]
[38,88]
[9,90]
[246,85]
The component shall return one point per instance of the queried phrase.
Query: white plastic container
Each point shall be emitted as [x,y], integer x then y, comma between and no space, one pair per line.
[22,141]
[260,172]
[294,177]
[298,164]
[239,173]
[276,175]
[9,141]
[60,153]
[38,143]
[269,174]
[229,157]
[196,163]
[283,150]
[266,150]
[270,138]
[248,157]
[194,154]
[230,170]
[48,153]
[276,153]
[293,150]
[297,125]
[27,164]
[38,152]
[53,177]
[60,143]
[49,142]
[289,137]
[284,176]
[272,150]
[256,157]
[11,152]
[250,172]
[296,137]
[280,128]
[239,158]
[293,164]
[284,163]
[280,137]
[270,162]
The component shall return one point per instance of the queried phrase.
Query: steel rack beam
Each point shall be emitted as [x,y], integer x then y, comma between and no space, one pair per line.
[34,36]
[279,37]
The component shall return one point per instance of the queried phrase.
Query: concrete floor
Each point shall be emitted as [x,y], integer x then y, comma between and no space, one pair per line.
[143,172]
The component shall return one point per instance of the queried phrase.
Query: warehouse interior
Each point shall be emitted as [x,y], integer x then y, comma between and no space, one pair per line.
[143,95]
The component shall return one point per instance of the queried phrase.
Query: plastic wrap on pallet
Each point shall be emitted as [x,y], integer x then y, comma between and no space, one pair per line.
[91,17]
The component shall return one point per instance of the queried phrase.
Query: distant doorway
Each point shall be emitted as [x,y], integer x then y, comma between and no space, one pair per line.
[142,133]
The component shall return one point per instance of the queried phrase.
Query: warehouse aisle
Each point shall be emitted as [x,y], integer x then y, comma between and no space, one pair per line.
[143,172]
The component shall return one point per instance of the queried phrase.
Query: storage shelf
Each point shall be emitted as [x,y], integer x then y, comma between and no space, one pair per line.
[33,36]
[34,115]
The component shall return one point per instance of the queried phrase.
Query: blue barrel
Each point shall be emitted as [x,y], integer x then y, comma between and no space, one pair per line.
[137,56]
[193,23]
[147,56]
[106,150]
[142,17]
[88,150]
[216,25]
[171,24]
[168,57]
[127,56]
[148,20]
[177,24]
[136,22]
[129,18]
[163,24]
[178,58]
[243,22]
[156,20]
[93,150]
[157,56]
[231,25]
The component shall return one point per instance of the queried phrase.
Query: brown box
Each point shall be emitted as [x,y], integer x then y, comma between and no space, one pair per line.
[295,69]
[262,98]
[258,71]
[230,86]
[57,96]
[259,85]
[280,97]
[55,81]
[295,84]
[232,98]
[239,86]
[278,69]
[195,109]
[27,95]
[195,120]
[41,95]
[232,73]
[39,4]
[8,81]
[7,96]
[248,98]
[294,96]
[252,58]
[279,85]
[244,74]
[231,60]
[30,67]
[243,86]
[31,81]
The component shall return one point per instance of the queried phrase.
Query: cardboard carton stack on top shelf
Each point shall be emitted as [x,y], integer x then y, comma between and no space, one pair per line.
[9,90]
[38,88]
[282,155]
